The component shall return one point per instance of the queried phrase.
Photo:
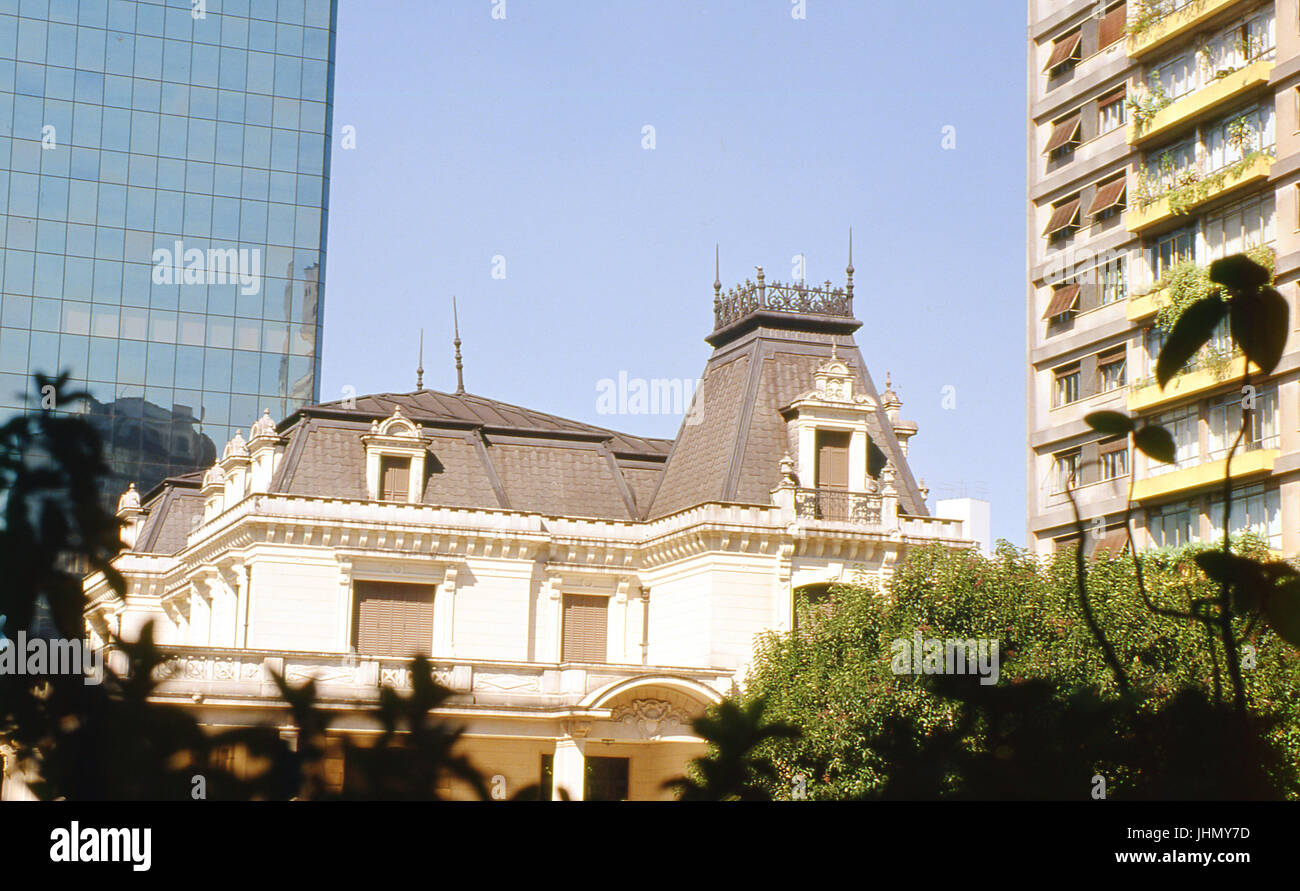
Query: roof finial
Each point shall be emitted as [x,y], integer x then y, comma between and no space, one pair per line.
[848,288]
[717,281]
[419,369]
[834,351]
[460,377]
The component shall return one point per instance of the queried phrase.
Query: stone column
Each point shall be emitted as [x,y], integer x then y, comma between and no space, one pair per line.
[568,766]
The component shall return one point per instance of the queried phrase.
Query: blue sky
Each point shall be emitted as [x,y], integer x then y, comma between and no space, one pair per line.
[523,138]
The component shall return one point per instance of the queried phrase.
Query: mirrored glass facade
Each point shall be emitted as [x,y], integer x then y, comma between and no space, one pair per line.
[164,176]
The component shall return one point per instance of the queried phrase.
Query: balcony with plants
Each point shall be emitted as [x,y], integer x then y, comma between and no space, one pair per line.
[1193,84]
[1218,362]
[1237,152]
[1154,24]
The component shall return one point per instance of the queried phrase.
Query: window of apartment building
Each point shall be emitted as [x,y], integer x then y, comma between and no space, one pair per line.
[1239,45]
[1171,249]
[1224,423]
[1109,200]
[394,478]
[1256,509]
[1112,370]
[1112,458]
[1065,470]
[1170,166]
[1240,227]
[1065,385]
[1173,525]
[1110,112]
[1064,302]
[1066,52]
[1114,280]
[586,628]
[1066,135]
[392,619]
[1235,136]
[1064,220]
[1111,28]
[1184,425]
[1175,77]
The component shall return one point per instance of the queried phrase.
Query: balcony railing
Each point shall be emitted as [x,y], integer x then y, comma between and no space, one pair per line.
[837,505]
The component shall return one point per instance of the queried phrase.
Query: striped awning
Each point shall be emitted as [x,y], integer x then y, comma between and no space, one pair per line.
[1108,195]
[1064,49]
[1065,215]
[1063,300]
[1065,132]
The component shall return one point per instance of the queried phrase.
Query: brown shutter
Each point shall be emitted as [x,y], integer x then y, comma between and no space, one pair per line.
[392,618]
[1112,26]
[1064,49]
[1108,195]
[1115,541]
[1063,300]
[1064,131]
[396,476]
[833,459]
[1065,215]
[586,624]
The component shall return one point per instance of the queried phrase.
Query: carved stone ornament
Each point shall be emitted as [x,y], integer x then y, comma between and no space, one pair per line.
[653,718]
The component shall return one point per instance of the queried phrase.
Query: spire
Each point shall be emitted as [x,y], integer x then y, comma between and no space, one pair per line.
[419,369]
[848,287]
[460,377]
[717,281]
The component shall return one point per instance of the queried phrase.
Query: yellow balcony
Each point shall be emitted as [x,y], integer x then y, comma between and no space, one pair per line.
[1190,384]
[1159,211]
[1244,465]
[1195,105]
[1144,306]
[1176,25]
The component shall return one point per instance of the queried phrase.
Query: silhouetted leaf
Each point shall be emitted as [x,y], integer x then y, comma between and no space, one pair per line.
[1156,442]
[1259,325]
[1111,423]
[1239,273]
[1191,332]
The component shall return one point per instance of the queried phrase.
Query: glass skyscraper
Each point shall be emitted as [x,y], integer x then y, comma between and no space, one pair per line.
[164,178]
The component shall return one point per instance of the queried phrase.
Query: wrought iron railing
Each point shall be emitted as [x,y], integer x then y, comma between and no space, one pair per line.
[837,505]
[736,303]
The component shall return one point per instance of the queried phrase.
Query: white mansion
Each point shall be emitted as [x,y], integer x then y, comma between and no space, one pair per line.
[585,593]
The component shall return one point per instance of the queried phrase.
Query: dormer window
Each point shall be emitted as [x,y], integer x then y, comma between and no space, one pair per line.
[395,452]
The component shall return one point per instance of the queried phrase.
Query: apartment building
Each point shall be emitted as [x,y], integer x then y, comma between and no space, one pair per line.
[1162,135]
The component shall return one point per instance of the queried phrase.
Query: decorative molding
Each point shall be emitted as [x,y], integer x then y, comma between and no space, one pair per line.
[653,718]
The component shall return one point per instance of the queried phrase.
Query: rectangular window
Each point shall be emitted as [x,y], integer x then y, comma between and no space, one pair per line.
[1065,470]
[393,619]
[1225,423]
[1110,112]
[1112,371]
[1064,220]
[394,477]
[586,628]
[1255,509]
[1065,53]
[1170,250]
[1240,227]
[833,459]
[1114,280]
[1184,425]
[1065,137]
[1173,525]
[1109,200]
[1113,459]
[1065,385]
[546,784]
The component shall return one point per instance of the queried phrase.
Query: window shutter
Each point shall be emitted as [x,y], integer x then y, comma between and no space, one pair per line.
[833,460]
[1112,26]
[586,623]
[1064,49]
[395,476]
[392,618]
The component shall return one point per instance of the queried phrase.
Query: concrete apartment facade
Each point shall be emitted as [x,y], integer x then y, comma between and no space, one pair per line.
[584,593]
[1159,133]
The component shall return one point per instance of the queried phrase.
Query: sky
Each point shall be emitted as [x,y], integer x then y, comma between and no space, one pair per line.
[506,161]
